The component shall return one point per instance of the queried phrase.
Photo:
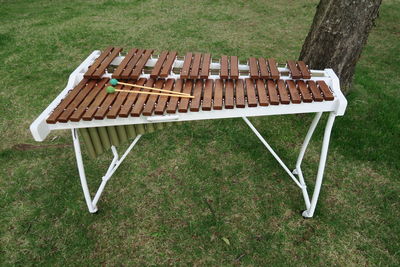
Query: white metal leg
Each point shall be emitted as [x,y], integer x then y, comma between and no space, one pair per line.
[310,206]
[92,204]
[322,161]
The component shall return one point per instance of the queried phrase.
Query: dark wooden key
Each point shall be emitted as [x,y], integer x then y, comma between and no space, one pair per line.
[166,70]
[316,94]
[294,71]
[162,100]
[97,62]
[229,94]
[107,103]
[264,73]
[157,67]
[197,91]
[234,68]
[305,93]
[294,94]
[218,93]
[152,99]
[65,102]
[117,105]
[273,69]
[131,99]
[273,94]
[139,105]
[173,101]
[328,96]
[131,64]
[124,62]
[186,66]
[251,93]
[208,95]
[77,115]
[140,65]
[253,68]
[283,93]
[205,66]
[304,70]
[106,62]
[95,105]
[262,93]
[194,72]
[75,103]
[239,94]
[224,74]
[184,102]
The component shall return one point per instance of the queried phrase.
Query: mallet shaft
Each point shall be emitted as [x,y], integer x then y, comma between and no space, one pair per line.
[153,93]
[152,88]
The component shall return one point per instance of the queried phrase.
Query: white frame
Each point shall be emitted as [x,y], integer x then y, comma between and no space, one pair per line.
[40,129]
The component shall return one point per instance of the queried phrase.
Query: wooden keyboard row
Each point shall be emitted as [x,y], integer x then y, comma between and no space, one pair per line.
[195,65]
[89,99]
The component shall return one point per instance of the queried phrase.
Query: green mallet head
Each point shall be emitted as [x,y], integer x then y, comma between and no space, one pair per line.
[114,82]
[110,89]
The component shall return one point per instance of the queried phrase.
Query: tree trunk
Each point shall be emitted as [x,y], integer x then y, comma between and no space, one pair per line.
[337,36]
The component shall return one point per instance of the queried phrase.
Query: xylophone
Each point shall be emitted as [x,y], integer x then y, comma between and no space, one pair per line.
[113,97]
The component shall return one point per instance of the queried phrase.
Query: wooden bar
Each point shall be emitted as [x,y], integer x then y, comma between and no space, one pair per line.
[224,74]
[294,71]
[65,102]
[78,113]
[273,69]
[186,66]
[130,100]
[184,102]
[316,94]
[140,65]
[262,93]
[229,104]
[205,66]
[234,68]
[173,101]
[208,95]
[106,62]
[152,99]
[328,96]
[305,93]
[116,106]
[273,94]
[251,93]
[197,91]
[75,103]
[218,93]
[305,72]
[162,100]
[117,72]
[283,93]
[97,62]
[107,103]
[157,67]
[131,64]
[194,72]
[253,68]
[239,94]
[264,73]
[139,105]
[166,70]
[294,94]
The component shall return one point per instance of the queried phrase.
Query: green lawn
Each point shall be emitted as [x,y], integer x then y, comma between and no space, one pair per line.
[182,191]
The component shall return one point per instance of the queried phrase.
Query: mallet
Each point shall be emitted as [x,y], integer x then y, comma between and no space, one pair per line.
[114,82]
[111,90]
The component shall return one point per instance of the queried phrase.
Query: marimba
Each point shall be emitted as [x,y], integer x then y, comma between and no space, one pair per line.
[220,88]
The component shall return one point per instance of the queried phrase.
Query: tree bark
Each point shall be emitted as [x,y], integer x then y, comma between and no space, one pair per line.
[337,36]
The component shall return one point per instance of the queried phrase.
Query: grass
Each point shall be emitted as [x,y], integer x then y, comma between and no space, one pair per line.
[182,191]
